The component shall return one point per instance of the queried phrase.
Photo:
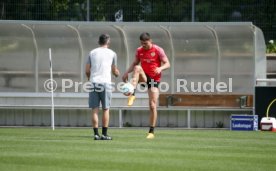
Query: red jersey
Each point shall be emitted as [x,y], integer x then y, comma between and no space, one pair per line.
[151,59]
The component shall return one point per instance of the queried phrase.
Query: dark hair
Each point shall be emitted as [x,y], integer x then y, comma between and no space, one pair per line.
[145,36]
[103,39]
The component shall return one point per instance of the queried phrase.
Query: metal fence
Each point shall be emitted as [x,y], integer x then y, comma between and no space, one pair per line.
[261,12]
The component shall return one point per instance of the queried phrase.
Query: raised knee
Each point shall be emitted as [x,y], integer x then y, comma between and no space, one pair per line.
[137,68]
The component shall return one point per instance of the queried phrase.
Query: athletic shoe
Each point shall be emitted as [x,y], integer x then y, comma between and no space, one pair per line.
[150,136]
[97,137]
[106,137]
[131,99]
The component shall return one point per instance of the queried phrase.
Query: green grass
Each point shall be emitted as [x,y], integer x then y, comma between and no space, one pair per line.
[172,149]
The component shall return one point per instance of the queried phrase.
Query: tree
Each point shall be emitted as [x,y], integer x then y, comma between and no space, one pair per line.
[163,10]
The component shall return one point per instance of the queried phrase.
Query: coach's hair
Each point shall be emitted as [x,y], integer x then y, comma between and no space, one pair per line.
[104,39]
[145,36]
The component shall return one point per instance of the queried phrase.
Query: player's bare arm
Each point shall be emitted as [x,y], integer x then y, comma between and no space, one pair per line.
[115,71]
[165,65]
[87,71]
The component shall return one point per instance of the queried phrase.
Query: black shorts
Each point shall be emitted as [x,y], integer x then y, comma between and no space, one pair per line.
[150,83]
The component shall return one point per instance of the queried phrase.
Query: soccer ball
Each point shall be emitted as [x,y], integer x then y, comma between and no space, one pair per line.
[127,89]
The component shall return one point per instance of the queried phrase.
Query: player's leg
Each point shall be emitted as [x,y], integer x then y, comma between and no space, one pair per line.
[94,103]
[105,118]
[95,123]
[105,97]
[153,93]
[105,122]
[95,119]
[137,77]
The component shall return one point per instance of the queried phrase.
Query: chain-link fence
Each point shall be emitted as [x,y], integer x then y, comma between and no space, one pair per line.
[261,12]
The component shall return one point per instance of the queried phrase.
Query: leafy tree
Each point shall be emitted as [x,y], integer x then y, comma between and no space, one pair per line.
[164,11]
[261,12]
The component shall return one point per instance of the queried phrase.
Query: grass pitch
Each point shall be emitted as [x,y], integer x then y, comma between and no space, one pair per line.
[172,149]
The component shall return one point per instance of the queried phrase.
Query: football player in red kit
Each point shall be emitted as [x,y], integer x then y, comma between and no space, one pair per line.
[153,61]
